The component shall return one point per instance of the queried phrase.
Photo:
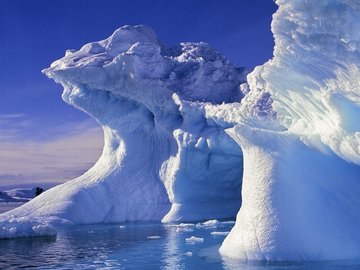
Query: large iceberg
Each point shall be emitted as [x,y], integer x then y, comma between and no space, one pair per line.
[300,134]
[181,122]
[162,159]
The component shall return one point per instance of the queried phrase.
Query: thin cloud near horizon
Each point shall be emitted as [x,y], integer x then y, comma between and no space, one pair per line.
[53,155]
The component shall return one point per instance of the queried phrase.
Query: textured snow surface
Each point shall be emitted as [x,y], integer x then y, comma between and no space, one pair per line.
[162,159]
[299,131]
[24,227]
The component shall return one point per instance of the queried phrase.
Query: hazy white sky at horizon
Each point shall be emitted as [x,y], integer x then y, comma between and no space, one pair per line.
[61,154]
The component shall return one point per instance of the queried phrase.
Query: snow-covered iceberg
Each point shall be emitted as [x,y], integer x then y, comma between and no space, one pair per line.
[162,159]
[299,129]
[174,126]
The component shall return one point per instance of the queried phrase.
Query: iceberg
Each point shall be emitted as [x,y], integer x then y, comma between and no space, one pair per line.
[299,132]
[162,159]
[183,126]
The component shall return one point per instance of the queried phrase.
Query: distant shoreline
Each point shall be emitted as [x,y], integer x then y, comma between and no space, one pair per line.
[7,206]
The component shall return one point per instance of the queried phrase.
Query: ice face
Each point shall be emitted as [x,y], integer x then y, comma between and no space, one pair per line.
[299,132]
[162,159]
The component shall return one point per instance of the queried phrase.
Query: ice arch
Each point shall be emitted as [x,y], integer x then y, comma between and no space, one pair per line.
[299,131]
[162,159]
[297,127]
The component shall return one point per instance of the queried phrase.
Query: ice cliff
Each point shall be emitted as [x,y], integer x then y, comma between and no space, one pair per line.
[174,126]
[300,134]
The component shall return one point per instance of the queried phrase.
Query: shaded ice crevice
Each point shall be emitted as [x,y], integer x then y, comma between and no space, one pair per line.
[161,156]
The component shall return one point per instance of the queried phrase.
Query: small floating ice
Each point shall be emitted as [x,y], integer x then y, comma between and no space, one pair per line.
[212,222]
[189,254]
[209,224]
[230,222]
[153,237]
[220,233]
[184,230]
[185,225]
[194,240]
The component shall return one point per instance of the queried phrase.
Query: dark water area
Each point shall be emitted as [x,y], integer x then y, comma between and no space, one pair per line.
[135,246]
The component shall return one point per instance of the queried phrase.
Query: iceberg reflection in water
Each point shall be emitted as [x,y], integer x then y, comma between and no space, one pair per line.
[135,246]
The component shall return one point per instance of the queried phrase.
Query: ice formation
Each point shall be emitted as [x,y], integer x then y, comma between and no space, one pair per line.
[299,131]
[174,126]
[162,159]
[25,227]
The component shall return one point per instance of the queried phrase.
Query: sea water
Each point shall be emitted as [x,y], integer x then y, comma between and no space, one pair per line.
[136,246]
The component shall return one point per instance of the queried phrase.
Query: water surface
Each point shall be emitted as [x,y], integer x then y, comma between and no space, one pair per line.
[135,246]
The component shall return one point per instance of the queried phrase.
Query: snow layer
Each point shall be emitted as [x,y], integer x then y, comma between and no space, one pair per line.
[162,159]
[299,131]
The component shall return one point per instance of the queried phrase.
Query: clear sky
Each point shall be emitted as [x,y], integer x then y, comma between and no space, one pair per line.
[45,141]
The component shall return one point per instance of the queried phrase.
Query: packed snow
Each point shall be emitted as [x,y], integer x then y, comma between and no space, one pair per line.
[181,123]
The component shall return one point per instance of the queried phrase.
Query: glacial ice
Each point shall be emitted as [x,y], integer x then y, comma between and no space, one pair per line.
[162,159]
[176,135]
[299,131]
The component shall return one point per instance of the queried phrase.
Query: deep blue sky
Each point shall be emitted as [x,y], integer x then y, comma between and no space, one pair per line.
[34,33]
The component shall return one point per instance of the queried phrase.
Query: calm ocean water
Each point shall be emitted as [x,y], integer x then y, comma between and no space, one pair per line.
[134,246]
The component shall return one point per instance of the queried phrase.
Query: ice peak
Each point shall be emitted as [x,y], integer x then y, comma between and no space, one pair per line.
[134,56]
